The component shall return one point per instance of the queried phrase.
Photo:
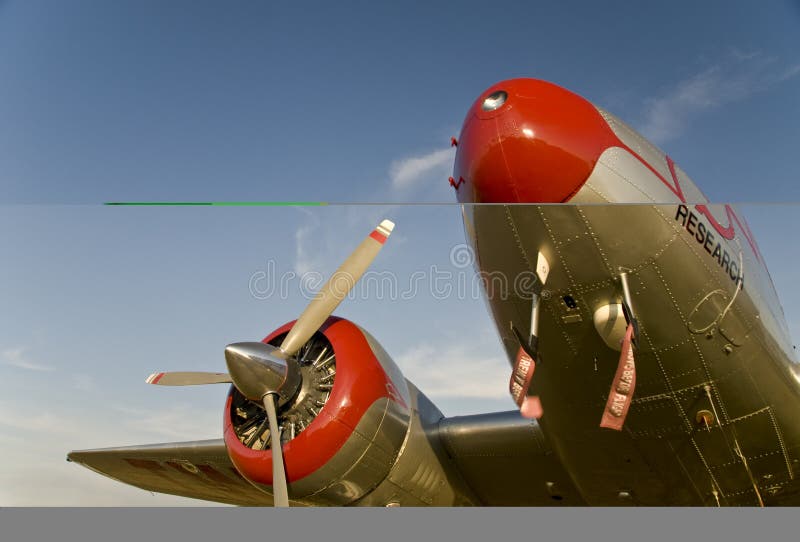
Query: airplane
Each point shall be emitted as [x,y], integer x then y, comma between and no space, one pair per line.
[650,358]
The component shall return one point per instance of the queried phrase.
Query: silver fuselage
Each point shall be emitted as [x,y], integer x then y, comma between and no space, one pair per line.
[702,345]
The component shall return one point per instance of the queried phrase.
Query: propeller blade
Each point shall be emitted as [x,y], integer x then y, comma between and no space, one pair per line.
[336,289]
[279,487]
[188,378]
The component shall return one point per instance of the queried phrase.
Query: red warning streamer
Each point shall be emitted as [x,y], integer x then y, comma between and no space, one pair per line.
[621,393]
[530,406]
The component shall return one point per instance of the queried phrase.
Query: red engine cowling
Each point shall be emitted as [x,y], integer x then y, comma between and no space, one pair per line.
[344,429]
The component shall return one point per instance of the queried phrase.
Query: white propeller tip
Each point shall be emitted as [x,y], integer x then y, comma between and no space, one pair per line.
[154,378]
[386,226]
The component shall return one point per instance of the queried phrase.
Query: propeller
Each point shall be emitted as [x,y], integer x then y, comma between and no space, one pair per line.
[279,486]
[188,378]
[270,375]
[260,375]
[336,289]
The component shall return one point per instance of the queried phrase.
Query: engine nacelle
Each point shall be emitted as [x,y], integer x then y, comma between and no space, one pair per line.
[343,431]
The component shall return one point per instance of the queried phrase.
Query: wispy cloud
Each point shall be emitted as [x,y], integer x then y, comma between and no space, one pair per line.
[413,170]
[321,241]
[42,420]
[16,358]
[176,422]
[306,259]
[736,78]
[456,370]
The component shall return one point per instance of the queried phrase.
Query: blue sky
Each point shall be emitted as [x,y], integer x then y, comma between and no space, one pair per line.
[296,100]
[348,102]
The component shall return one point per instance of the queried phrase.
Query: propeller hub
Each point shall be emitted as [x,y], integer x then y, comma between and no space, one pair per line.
[258,369]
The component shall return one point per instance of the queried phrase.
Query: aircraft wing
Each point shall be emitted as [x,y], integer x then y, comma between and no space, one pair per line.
[506,460]
[197,469]
[503,457]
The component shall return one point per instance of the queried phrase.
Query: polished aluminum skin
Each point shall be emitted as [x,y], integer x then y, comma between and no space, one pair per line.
[258,369]
[694,355]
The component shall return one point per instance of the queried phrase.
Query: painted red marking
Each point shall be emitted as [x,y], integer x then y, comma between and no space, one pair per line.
[395,395]
[146,464]
[727,232]
[157,378]
[746,232]
[214,475]
[378,236]
[179,468]
[677,190]
[674,188]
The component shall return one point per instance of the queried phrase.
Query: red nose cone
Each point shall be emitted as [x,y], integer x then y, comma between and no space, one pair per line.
[528,141]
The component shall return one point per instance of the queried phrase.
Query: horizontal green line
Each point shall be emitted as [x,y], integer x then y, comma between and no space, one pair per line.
[221,203]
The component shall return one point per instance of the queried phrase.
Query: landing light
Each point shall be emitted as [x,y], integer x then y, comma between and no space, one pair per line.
[609,321]
[494,100]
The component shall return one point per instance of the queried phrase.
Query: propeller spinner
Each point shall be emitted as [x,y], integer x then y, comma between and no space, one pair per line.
[258,369]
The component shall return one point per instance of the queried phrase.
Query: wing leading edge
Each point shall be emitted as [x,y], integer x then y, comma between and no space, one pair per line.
[197,469]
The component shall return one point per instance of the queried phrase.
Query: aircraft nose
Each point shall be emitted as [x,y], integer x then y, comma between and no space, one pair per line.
[528,141]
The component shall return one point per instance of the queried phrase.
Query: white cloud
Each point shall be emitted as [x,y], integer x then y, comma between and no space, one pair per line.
[306,259]
[322,244]
[737,78]
[176,422]
[456,370]
[16,358]
[413,170]
[790,72]
[39,419]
